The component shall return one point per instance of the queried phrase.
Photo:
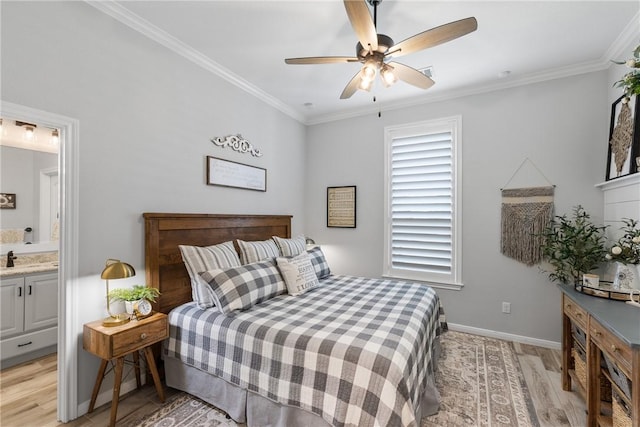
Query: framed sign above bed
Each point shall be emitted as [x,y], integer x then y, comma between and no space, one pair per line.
[341,207]
[226,173]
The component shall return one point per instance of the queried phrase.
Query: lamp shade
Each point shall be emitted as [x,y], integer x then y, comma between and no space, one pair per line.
[116,269]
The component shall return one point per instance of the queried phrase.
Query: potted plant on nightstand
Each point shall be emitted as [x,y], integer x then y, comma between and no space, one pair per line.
[573,246]
[132,295]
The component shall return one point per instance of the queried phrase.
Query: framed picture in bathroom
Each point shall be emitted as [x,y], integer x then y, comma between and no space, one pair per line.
[7,201]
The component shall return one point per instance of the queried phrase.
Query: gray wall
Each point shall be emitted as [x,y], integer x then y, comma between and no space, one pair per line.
[146,116]
[560,125]
[20,174]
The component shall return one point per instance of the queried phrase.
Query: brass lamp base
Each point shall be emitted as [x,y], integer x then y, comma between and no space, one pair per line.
[116,320]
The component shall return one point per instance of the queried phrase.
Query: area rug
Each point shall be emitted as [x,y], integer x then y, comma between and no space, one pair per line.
[481,384]
[479,379]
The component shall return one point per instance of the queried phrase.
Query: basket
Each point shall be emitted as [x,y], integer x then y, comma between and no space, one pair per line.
[621,412]
[579,335]
[580,366]
[621,380]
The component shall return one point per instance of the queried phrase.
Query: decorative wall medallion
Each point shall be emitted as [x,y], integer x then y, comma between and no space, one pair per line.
[237,143]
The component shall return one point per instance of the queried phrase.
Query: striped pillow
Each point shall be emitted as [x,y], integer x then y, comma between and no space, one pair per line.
[251,252]
[198,259]
[291,247]
[319,262]
[241,287]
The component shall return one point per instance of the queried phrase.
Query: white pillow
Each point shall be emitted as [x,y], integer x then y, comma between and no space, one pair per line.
[298,273]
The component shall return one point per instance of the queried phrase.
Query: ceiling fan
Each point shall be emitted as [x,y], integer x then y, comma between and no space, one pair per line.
[374,50]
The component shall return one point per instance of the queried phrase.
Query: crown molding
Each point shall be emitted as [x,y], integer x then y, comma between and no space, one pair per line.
[615,51]
[558,73]
[144,27]
[627,37]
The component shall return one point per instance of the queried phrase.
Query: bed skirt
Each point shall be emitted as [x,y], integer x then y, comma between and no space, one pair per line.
[244,406]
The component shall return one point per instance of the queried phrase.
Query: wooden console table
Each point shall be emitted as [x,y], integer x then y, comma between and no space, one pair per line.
[612,330]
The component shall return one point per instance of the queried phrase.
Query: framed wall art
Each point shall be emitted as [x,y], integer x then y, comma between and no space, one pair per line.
[623,153]
[341,207]
[7,201]
[226,173]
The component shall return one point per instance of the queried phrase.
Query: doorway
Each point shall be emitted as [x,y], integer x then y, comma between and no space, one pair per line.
[68,329]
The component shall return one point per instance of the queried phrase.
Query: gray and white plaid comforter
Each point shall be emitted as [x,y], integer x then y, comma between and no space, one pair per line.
[355,351]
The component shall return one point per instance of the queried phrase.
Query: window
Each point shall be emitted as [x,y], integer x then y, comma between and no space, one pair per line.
[423,203]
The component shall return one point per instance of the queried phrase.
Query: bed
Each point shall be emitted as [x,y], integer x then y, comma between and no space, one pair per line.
[351,351]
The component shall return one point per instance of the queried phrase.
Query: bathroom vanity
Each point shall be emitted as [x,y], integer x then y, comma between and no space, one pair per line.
[28,311]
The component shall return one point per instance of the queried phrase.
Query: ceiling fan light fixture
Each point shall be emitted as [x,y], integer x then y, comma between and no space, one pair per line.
[365,84]
[369,71]
[388,76]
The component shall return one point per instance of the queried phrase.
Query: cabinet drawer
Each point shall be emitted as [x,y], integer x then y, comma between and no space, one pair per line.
[575,312]
[612,345]
[139,337]
[27,343]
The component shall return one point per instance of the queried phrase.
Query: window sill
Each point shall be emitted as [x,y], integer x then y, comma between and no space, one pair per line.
[437,285]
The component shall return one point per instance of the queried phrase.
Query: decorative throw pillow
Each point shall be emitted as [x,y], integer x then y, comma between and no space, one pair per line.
[291,247]
[257,251]
[299,275]
[319,262]
[241,287]
[198,259]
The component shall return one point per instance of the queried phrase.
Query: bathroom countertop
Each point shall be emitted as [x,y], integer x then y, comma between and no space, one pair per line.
[30,263]
[28,269]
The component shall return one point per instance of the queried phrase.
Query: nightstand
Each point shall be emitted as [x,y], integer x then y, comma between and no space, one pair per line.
[114,343]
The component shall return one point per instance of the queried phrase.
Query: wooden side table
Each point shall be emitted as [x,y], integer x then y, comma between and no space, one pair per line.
[116,342]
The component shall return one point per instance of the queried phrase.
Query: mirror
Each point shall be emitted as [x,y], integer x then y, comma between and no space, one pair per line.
[29,180]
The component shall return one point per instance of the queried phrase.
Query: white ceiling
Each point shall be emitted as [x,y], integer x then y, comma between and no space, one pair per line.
[247,41]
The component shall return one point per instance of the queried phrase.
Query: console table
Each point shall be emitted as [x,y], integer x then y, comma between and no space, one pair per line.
[611,330]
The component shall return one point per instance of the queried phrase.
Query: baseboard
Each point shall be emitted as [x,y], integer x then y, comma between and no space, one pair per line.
[107,395]
[505,336]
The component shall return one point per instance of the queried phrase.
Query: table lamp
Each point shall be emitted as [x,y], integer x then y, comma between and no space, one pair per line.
[115,269]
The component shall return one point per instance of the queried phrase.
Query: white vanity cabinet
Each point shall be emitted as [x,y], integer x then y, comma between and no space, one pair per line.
[29,313]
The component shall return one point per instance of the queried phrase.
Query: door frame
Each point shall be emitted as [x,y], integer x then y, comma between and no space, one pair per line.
[68,328]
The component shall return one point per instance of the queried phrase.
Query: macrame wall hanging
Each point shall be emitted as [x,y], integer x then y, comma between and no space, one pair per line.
[526,213]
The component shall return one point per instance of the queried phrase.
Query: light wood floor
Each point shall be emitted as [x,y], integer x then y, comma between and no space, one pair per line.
[28,394]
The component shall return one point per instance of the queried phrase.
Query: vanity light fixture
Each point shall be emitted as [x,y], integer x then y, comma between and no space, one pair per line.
[55,137]
[115,269]
[29,129]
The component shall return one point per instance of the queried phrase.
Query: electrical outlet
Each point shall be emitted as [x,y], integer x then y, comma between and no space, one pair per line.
[506,307]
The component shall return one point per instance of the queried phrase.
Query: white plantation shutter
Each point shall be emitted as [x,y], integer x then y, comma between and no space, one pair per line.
[421,236]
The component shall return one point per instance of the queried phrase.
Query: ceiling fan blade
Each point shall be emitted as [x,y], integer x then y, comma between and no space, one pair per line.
[351,87]
[321,60]
[411,75]
[362,24]
[434,37]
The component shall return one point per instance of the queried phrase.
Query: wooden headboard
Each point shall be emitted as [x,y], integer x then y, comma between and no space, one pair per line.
[165,231]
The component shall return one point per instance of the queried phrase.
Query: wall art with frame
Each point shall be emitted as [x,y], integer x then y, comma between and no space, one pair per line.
[7,201]
[623,154]
[341,207]
[226,173]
